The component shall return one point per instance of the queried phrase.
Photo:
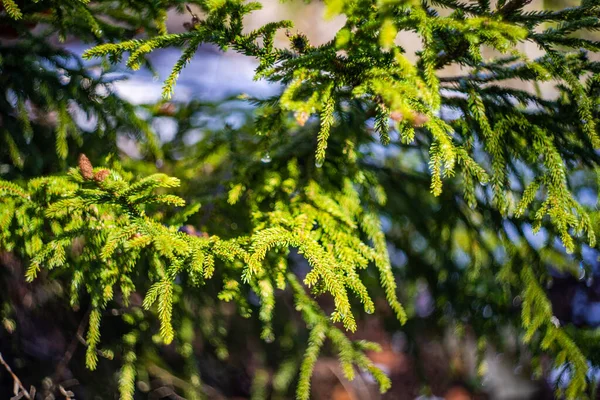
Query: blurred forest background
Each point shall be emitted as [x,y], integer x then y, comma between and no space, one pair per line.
[41,339]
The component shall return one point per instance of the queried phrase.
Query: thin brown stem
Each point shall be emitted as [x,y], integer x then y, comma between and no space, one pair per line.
[169,378]
[512,6]
[20,390]
[72,347]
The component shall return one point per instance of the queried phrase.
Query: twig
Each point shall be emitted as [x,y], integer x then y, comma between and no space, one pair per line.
[19,389]
[447,58]
[100,353]
[512,6]
[67,393]
[167,377]
[352,387]
[164,391]
[343,381]
[72,347]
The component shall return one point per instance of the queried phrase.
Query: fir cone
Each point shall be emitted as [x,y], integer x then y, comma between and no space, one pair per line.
[101,175]
[85,167]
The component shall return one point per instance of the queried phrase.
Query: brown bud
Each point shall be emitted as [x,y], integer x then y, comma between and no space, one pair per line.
[396,116]
[415,120]
[189,229]
[420,119]
[167,109]
[302,117]
[101,175]
[85,167]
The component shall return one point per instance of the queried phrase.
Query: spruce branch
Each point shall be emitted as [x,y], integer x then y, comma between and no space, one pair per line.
[113,233]
[133,232]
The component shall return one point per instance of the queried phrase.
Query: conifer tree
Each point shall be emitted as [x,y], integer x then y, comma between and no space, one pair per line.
[352,184]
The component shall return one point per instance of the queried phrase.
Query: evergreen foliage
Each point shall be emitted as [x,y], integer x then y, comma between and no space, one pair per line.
[304,175]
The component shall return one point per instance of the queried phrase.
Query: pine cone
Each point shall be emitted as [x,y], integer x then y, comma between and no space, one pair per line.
[101,175]
[85,167]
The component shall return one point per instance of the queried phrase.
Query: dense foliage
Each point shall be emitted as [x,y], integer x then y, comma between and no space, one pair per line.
[363,155]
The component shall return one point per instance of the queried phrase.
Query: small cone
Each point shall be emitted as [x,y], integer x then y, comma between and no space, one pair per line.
[101,175]
[85,167]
